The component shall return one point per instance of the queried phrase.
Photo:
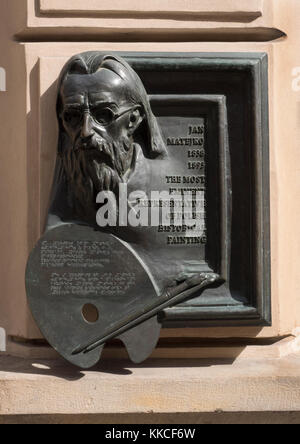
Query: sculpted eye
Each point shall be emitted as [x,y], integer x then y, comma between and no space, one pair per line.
[72,117]
[104,116]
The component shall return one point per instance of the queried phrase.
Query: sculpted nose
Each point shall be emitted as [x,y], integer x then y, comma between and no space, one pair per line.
[87,127]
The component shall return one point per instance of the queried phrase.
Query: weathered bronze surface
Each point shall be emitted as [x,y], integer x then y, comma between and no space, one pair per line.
[86,287]
[109,136]
[201,128]
[83,284]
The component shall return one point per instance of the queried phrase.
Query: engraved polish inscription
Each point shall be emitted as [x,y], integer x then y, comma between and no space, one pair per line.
[86,284]
[63,258]
[81,254]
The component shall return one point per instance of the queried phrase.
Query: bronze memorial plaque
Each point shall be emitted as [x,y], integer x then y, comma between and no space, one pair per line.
[159,209]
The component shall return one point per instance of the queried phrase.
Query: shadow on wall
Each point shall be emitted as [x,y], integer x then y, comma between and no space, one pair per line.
[40,163]
[62,369]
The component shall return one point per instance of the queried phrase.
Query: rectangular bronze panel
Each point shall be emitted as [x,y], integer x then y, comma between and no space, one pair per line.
[188,125]
[209,90]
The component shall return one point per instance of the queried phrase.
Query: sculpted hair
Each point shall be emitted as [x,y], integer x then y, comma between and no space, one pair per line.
[90,63]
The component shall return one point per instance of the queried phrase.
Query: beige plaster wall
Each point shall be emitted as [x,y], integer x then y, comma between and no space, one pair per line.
[28,132]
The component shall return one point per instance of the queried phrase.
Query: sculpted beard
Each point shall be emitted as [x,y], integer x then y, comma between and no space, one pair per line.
[96,166]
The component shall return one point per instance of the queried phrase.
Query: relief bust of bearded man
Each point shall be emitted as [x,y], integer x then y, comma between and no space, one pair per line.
[108,135]
[109,138]
[107,132]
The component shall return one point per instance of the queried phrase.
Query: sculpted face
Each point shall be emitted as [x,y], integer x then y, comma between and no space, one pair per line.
[96,105]
[99,120]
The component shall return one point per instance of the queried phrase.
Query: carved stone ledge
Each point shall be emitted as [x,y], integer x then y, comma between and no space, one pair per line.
[174,349]
[207,10]
[233,20]
[31,387]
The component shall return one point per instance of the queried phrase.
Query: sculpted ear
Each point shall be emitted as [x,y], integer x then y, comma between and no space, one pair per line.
[135,119]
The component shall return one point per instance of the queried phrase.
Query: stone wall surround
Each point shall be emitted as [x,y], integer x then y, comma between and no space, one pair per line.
[261,368]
